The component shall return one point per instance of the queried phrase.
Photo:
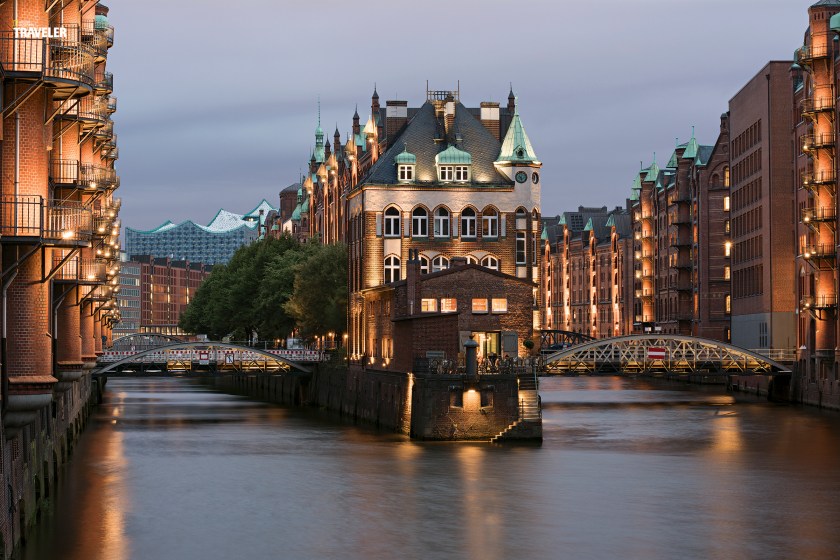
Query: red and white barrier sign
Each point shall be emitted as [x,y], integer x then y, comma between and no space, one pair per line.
[657,353]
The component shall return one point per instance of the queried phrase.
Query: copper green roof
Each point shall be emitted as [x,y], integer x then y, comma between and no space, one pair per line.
[406,158]
[834,22]
[544,234]
[453,155]
[516,147]
[296,213]
[690,149]
[588,226]
[562,220]
[672,163]
[637,182]
[610,221]
[634,194]
[652,172]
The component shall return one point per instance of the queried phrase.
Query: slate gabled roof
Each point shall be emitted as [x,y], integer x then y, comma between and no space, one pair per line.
[419,135]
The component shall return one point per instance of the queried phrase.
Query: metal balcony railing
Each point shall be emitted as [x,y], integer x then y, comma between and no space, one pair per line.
[98,36]
[104,83]
[812,142]
[679,241]
[809,53]
[680,221]
[812,106]
[819,214]
[47,58]
[33,217]
[83,271]
[825,301]
[819,251]
[680,263]
[106,130]
[81,175]
[112,103]
[812,180]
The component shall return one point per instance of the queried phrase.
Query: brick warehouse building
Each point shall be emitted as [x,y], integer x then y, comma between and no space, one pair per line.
[59,239]
[443,179]
[587,276]
[814,278]
[682,249]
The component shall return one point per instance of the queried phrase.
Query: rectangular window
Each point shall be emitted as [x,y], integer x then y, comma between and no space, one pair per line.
[462,173]
[534,240]
[406,172]
[727,272]
[726,204]
[448,305]
[479,305]
[428,305]
[520,248]
[727,248]
[499,305]
[446,172]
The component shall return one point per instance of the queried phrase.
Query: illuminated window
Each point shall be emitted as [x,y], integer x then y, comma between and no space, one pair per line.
[446,172]
[479,305]
[727,273]
[726,226]
[499,305]
[441,222]
[392,222]
[428,305]
[727,248]
[440,263]
[448,305]
[462,173]
[392,269]
[725,176]
[726,204]
[468,223]
[419,223]
[490,262]
[728,304]
[489,222]
[406,173]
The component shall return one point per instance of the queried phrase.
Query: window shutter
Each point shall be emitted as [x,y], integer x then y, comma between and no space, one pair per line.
[456,220]
[503,225]
[378,224]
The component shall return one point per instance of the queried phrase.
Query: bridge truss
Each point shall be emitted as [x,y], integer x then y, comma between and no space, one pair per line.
[659,353]
[199,356]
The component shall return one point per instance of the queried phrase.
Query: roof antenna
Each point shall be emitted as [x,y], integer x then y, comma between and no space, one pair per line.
[319,110]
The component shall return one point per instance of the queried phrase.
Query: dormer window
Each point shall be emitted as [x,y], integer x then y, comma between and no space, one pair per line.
[405,162]
[453,165]
[405,173]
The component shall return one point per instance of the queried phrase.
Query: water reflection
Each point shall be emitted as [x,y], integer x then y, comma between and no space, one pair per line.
[628,469]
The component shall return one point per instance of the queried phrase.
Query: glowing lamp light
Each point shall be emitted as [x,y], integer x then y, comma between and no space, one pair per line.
[807,255]
[93,184]
[67,234]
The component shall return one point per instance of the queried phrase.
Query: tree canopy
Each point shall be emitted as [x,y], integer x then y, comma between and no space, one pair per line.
[273,287]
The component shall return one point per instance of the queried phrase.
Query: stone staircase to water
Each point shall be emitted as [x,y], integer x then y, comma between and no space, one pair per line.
[529,423]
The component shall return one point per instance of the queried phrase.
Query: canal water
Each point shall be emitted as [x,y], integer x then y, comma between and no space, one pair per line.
[169,469]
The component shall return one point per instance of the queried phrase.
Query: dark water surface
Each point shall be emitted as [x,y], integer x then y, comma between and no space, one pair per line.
[169,469]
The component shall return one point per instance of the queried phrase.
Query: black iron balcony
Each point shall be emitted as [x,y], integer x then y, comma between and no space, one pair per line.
[678,220]
[809,53]
[813,181]
[71,173]
[82,271]
[112,103]
[680,263]
[679,198]
[64,64]
[818,215]
[679,241]
[105,131]
[811,142]
[104,83]
[98,36]
[824,301]
[27,219]
[812,106]
[822,256]
[644,295]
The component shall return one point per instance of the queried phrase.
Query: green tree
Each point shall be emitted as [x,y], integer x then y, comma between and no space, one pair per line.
[319,299]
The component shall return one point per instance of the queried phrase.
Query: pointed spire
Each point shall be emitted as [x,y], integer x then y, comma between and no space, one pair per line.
[356,112]
[516,147]
[375,95]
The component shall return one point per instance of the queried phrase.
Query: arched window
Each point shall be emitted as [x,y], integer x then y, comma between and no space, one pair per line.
[468,223]
[392,269]
[440,263]
[392,222]
[419,222]
[521,218]
[424,264]
[489,222]
[441,222]
[490,262]
[471,260]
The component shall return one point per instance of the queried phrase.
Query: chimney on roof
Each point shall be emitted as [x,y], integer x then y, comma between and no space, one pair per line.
[396,115]
[449,114]
[490,118]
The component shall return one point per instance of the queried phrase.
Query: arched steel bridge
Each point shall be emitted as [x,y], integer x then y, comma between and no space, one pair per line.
[200,356]
[659,353]
[141,342]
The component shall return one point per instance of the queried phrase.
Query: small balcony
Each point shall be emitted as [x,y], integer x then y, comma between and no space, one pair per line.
[822,256]
[111,103]
[814,181]
[104,83]
[818,215]
[680,262]
[106,131]
[28,219]
[82,271]
[679,241]
[679,198]
[71,173]
[680,220]
[98,37]
[811,142]
[814,106]
[821,307]
[809,53]
[64,64]
[645,295]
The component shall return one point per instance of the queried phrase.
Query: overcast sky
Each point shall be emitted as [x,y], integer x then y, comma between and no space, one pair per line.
[218,99]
